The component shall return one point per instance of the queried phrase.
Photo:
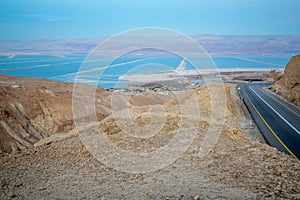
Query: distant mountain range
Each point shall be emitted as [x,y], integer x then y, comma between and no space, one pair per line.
[214,44]
[250,44]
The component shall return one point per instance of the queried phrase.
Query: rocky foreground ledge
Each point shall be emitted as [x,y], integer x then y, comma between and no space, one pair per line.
[59,166]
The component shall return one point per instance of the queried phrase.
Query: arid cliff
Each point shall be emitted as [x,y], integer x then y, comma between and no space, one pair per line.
[32,109]
[288,85]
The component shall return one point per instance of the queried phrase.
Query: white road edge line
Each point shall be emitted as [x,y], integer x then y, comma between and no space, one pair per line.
[275,111]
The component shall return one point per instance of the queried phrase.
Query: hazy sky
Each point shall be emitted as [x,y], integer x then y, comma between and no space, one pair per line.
[37,19]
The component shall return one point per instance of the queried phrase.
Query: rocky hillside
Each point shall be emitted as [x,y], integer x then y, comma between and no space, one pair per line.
[235,168]
[33,109]
[289,83]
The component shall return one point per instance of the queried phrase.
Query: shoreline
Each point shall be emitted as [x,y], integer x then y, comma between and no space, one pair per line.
[186,76]
[192,74]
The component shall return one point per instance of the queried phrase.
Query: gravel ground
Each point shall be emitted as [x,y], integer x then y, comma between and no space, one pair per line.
[235,169]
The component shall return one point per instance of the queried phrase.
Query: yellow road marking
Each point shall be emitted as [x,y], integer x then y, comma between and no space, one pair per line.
[266,123]
[283,104]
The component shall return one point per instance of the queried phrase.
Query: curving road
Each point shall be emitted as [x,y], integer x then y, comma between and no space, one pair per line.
[278,121]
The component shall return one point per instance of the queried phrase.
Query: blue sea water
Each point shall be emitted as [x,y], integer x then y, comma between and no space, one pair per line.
[71,68]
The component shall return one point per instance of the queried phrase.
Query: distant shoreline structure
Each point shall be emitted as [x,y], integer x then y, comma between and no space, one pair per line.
[181,73]
[181,66]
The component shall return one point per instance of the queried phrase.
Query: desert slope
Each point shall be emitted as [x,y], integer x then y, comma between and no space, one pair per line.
[289,82]
[235,168]
[33,109]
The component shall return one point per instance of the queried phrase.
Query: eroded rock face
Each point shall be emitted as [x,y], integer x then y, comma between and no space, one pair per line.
[33,109]
[29,112]
[289,84]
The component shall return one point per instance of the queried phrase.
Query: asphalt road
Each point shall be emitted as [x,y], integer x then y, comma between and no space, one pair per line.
[278,121]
